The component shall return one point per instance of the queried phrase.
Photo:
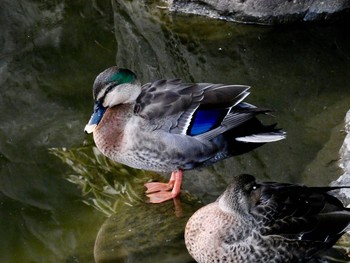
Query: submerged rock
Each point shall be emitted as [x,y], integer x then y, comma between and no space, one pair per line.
[264,11]
[144,233]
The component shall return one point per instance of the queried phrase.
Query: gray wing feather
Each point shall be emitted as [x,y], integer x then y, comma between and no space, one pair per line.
[176,101]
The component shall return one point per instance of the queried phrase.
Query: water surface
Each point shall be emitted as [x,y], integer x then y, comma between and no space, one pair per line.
[50,55]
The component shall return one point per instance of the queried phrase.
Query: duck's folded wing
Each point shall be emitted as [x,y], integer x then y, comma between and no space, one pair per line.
[303,213]
[192,108]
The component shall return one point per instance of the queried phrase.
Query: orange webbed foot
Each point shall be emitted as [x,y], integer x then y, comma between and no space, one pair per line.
[158,187]
[161,192]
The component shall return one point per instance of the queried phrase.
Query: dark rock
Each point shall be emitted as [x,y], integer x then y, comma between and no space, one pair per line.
[265,11]
[344,163]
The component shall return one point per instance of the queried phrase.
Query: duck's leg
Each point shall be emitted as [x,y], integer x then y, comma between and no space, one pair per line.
[174,185]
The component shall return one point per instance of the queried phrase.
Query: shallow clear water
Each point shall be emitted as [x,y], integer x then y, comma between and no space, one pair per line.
[50,55]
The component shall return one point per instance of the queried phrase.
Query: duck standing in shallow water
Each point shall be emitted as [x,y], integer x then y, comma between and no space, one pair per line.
[171,126]
[266,222]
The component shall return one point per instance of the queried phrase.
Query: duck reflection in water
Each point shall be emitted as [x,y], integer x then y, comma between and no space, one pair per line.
[266,222]
[171,126]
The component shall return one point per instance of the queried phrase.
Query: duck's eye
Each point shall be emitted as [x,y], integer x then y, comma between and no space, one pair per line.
[251,187]
[254,188]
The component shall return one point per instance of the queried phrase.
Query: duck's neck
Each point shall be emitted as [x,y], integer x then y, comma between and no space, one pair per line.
[109,133]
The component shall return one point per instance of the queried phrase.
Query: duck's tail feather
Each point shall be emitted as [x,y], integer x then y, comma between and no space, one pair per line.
[244,138]
[251,135]
[263,137]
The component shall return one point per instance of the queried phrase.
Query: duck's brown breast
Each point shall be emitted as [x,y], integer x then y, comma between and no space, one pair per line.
[109,134]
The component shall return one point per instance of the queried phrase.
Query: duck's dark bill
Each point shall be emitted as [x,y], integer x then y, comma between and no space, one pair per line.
[99,110]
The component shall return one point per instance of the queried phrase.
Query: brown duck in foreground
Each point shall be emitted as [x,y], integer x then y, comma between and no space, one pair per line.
[266,222]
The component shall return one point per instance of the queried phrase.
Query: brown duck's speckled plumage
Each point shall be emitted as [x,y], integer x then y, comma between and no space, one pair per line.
[148,149]
[267,222]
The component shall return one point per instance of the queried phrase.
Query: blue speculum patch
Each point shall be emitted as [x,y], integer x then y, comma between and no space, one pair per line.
[206,120]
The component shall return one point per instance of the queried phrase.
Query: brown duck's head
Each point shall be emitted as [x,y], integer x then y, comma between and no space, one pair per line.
[241,195]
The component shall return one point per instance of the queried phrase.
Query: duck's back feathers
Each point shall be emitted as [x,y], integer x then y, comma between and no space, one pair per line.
[193,108]
[175,96]
[302,213]
[202,110]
